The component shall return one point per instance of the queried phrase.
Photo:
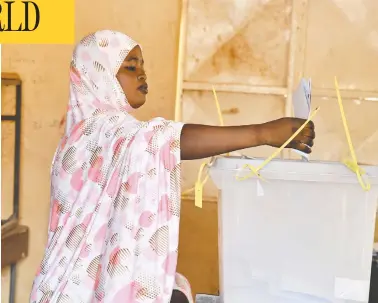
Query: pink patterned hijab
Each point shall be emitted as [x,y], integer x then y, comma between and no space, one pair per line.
[115,191]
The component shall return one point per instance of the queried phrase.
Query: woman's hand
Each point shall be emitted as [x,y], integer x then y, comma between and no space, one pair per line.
[276,133]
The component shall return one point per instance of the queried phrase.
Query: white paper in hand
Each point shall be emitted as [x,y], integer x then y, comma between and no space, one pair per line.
[302,105]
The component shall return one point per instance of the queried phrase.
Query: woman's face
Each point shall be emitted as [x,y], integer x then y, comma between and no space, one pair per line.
[132,78]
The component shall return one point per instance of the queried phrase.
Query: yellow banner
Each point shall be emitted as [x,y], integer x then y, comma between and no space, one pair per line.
[37,21]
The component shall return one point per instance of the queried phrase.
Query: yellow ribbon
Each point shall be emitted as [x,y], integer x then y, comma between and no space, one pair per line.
[351,164]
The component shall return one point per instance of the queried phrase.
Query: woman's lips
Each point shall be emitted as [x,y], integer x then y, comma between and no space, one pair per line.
[143,89]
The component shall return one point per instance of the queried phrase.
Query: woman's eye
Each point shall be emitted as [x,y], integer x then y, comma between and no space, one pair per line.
[131,68]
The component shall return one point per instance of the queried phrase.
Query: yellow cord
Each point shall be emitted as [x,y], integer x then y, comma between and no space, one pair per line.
[220,116]
[351,164]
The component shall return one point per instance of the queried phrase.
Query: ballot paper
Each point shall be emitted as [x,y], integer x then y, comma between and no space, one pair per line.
[302,105]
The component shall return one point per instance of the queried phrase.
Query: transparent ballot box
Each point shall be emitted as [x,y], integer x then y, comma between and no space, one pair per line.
[304,234]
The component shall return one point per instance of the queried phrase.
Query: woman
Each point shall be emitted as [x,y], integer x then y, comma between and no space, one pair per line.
[115,182]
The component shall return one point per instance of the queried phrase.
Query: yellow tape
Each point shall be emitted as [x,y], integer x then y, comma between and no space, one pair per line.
[351,164]
[198,188]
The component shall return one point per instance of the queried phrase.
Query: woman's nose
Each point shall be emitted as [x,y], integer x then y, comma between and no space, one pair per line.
[142,77]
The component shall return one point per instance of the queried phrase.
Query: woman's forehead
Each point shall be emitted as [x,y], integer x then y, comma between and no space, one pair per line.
[135,55]
[136,52]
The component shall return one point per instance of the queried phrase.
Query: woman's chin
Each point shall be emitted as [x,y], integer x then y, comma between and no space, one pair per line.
[138,103]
